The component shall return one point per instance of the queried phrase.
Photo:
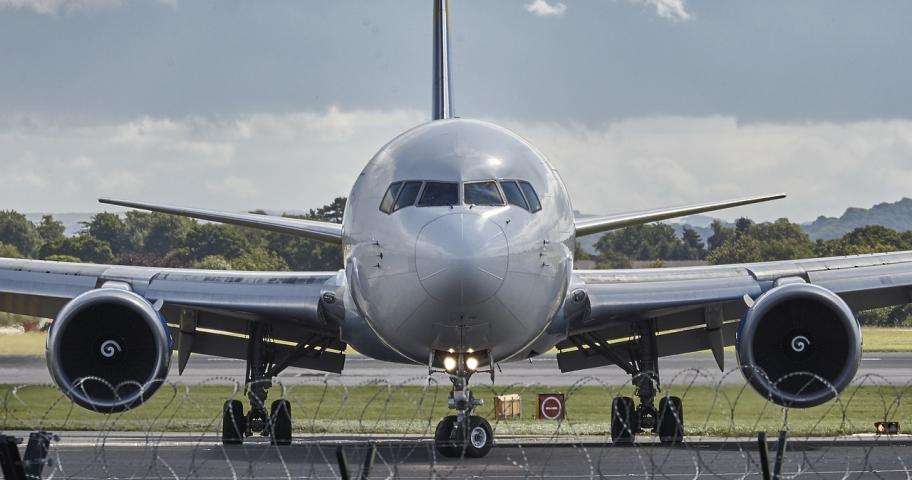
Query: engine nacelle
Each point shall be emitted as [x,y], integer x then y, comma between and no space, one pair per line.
[799,345]
[108,350]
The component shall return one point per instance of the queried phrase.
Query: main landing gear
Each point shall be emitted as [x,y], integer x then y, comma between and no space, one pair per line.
[464,433]
[627,420]
[261,368]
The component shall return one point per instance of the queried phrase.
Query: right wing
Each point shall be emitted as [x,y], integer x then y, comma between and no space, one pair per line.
[700,308]
[326,231]
[208,311]
[589,226]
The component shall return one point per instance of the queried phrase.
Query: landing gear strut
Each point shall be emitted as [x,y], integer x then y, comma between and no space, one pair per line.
[463,433]
[627,420]
[261,368]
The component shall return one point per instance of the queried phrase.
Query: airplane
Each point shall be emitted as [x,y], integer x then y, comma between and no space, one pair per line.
[458,240]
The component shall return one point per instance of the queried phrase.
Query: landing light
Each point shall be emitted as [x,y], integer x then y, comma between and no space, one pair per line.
[472,363]
[449,363]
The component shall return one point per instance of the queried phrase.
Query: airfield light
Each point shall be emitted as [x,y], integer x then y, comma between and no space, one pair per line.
[471,363]
[449,363]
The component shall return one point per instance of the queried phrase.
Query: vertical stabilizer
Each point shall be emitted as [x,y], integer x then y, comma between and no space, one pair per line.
[442,107]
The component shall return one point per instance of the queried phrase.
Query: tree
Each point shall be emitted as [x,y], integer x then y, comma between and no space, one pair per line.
[208,239]
[260,260]
[50,230]
[213,262]
[779,240]
[111,229]
[84,247]
[164,233]
[693,243]
[720,235]
[9,251]
[17,231]
[870,239]
[63,258]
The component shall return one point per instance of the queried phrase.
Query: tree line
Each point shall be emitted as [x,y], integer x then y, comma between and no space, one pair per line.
[747,242]
[161,240]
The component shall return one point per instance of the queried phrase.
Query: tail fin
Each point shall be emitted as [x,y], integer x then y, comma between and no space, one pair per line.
[442,101]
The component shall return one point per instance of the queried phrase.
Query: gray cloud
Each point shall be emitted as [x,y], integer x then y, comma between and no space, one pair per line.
[302,159]
[55,7]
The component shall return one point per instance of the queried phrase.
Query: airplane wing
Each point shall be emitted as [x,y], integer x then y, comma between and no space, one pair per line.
[326,231]
[207,311]
[589,226]
[699,308]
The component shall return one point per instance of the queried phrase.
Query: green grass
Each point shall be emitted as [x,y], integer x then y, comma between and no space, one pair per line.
[22,344]
[875,340]
[728,411]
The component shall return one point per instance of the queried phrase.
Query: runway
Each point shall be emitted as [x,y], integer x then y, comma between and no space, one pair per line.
[700,368]
[82,455]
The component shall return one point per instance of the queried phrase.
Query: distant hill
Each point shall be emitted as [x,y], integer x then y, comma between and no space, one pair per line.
[72,221]
[897,215]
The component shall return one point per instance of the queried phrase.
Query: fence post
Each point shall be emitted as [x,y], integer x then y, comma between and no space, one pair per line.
[36,453]
[10,461]
[343,463]
[764,455]
[780,454]
[368,461]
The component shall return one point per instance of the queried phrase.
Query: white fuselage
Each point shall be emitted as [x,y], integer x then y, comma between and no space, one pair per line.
[462,277]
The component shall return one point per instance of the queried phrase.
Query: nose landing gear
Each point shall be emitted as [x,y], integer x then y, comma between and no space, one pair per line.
[463,433]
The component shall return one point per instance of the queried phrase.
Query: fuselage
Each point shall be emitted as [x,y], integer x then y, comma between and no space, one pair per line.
[476,255]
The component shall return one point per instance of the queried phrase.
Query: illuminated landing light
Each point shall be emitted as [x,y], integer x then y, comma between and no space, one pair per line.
[472,363]
[449,363]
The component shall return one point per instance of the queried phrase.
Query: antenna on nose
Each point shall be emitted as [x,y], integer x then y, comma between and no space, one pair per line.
[442,107]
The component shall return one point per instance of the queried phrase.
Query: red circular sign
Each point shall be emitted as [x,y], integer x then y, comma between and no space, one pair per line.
[551,408]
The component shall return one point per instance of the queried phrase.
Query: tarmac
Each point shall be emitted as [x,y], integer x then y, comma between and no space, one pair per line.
[699,368]
[84,455]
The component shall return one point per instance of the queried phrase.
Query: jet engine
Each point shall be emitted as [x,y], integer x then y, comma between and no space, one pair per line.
[108,350]
[799,345]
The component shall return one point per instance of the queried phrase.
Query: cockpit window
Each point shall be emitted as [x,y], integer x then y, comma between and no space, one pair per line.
[482,193]
[514,195]
[386,205]
[439,194]
[531,196]
[408,195]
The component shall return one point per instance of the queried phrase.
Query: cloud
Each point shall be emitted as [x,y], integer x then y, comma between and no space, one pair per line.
[669,9]
[542,8]
[301,160]
[55,7]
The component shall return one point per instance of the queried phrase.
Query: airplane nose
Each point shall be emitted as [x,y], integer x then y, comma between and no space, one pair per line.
[461,258]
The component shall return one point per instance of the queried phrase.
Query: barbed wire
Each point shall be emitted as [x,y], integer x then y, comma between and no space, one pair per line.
[177,433]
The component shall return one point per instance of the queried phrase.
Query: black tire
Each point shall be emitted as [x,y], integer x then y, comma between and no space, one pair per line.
[280,420]
[234,423]
[670,422]
[443,441]
[480,437]
[623,420]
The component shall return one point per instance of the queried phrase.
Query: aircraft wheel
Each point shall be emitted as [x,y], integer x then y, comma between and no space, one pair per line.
[670,422]
[234,423]
[280,416]
[443,438]
[481,437]
[623,420]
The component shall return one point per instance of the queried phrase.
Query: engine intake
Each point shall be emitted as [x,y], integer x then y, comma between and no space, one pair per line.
[108,350]
[799,345]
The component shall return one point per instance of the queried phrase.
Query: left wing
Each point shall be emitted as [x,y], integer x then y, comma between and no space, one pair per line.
[207,311]
[699,308]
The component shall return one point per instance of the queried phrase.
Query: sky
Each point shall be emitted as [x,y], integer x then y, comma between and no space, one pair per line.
[279,104]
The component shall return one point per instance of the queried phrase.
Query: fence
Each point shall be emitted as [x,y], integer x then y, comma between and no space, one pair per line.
[389,427]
